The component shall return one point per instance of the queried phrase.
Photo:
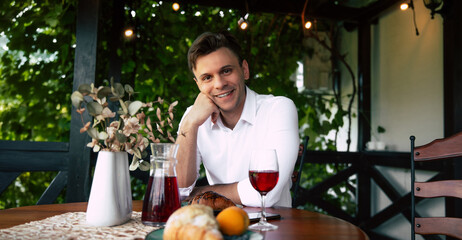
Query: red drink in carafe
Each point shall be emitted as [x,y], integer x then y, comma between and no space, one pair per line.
[160,204]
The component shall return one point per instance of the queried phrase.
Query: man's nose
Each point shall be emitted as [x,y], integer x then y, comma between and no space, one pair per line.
[219,82]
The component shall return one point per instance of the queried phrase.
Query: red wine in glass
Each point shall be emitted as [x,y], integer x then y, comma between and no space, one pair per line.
[263,181]
[263,175]
[159,205]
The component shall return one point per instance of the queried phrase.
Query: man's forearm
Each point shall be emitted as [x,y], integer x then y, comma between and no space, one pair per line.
[227,190]
[186,168]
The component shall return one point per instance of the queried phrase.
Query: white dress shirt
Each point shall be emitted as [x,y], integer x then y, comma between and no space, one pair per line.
[266,122]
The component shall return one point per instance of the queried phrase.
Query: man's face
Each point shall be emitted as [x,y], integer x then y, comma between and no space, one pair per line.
[222,79]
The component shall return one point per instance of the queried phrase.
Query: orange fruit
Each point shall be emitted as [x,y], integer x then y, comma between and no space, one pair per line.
[233,221]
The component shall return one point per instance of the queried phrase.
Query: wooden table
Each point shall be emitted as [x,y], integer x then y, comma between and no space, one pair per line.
[294,223]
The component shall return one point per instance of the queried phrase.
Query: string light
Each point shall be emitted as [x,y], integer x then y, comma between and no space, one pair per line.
[404,6]
[175,6]
[243,23]
[128,33]
[308,24]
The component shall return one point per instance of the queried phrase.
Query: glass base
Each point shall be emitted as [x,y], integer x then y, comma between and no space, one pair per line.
[263,226]
[154,224]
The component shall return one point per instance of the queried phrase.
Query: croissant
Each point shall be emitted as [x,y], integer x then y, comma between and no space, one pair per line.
[192,222]
[212,199]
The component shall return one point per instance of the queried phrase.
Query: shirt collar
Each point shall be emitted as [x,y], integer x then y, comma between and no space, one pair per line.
[250,106]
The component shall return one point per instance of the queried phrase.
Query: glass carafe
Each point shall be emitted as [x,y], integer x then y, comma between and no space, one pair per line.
[162,194]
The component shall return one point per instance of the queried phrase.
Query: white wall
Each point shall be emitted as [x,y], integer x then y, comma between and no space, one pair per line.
[407,96]
[407,77]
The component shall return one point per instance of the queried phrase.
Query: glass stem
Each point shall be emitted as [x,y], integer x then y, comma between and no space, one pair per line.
[263,211]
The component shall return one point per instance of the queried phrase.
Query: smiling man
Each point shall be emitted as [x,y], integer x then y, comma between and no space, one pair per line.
[227,121]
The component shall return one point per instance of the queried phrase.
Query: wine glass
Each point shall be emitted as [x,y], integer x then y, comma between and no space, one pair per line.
[263,175]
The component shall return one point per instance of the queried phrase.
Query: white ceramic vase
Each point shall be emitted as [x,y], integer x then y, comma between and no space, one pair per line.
[110,200]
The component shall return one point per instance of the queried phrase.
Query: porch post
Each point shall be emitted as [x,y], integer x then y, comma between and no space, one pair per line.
[84,72]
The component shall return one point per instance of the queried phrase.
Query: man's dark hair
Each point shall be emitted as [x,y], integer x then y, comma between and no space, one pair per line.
[209,42]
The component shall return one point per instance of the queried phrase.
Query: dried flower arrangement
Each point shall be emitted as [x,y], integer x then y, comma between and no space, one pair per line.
[131,128]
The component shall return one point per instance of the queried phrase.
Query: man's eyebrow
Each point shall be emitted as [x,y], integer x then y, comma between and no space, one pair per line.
[221,69]
[226,66]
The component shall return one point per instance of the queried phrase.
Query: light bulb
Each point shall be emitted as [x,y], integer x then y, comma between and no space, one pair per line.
[404,6]
[308,24]
[243,24]
[175,6]
[128,32]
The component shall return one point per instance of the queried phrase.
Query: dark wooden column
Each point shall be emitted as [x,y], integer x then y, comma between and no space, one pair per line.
[364,84]
[364,116]
[452,33]
[115,62]
[84,72]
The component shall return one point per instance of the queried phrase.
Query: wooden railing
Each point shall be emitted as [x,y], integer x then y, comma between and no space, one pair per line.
[364,166]
[21,156]
[17,157]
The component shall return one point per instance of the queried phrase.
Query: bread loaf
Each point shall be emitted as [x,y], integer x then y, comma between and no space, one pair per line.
[212,199]
[192,222]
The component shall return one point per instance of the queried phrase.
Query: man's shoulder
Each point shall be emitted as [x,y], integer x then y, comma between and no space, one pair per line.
[273,100]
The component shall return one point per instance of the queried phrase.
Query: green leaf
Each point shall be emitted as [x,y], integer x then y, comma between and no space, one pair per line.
[77,99]
[121,137]
[84,89]
[380,129]
[94,109]
[118,90]
[134,107]
[135,163]
[123,105]
[129,89]
[104,92]
[102,135]
[93,133]
[144,165]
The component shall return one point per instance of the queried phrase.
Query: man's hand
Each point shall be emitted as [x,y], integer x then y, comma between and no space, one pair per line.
[203,108]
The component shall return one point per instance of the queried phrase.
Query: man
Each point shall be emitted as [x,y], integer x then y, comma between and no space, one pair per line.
[227,121]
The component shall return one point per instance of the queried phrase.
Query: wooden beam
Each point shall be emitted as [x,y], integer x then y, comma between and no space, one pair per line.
[84,72]
[23,156]
[452,65]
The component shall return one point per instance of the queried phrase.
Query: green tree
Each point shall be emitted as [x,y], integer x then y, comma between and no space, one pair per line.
[36,69]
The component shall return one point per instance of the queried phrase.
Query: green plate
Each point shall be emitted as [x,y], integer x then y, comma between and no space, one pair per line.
[249,235]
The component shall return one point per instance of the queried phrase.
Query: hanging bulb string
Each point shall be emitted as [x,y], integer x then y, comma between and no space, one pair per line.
[303,13]
[413,16]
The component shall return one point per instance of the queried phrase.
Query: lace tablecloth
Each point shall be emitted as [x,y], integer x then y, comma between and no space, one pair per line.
[72,226]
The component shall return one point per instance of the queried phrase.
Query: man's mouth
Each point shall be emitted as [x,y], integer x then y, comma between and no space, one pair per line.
[224,94]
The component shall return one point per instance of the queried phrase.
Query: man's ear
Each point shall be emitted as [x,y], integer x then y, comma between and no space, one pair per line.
[197,83]
[245,68]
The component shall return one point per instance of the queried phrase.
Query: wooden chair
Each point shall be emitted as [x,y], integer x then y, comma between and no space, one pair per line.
[439,149]
[298,168]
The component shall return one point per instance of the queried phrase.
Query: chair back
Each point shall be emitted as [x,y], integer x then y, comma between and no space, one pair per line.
[437,150]
[298,168]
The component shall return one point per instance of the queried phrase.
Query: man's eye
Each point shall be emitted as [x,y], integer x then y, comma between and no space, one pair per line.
[206,78]
[227,71]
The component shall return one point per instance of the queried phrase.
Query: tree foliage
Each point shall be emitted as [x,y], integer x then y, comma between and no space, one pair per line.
[36,70]
[36,67]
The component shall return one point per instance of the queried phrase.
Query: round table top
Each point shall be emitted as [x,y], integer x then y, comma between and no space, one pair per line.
[293,224]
